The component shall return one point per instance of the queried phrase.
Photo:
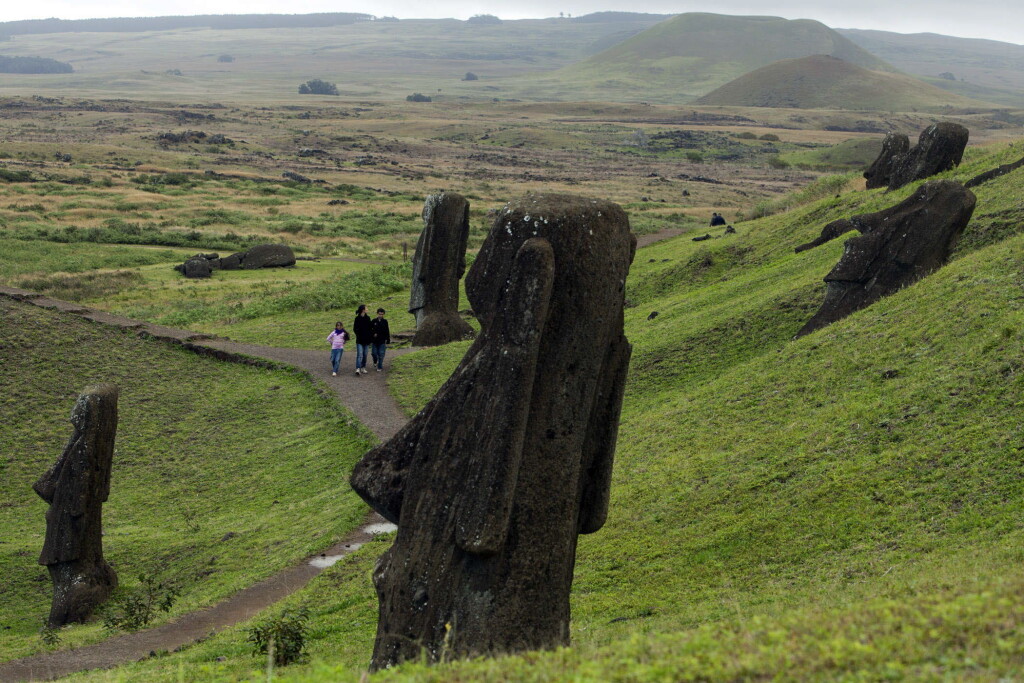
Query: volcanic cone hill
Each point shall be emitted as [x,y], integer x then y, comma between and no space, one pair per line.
[695,53]
[826,82]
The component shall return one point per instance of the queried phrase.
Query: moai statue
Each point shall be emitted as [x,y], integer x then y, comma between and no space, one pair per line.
[493,480]
[879,173]
[76,487]
[897,247]
[437,267]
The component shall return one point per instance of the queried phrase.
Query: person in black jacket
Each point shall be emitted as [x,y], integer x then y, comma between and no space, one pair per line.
[364,337]
[380,339]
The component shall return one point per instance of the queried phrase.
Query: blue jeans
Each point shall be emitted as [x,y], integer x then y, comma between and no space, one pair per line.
[336,358]
[378,355]
[361,355]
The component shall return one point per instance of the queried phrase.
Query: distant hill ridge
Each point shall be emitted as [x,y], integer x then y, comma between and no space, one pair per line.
[698,52]
[217,21]
[824,82]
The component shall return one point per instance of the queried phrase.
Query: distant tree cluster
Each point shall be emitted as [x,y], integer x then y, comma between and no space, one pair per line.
[470,76]
[418,97]
[483,19]
[386,19]
[226,59]
[318,87]
[216,21]
[33,65]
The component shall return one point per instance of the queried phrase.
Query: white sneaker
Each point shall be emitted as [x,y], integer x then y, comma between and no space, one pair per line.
[334,374]
[357,372]
[365,371]
[378,369]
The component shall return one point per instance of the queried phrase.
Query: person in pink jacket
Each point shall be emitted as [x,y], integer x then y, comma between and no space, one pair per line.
[337,338]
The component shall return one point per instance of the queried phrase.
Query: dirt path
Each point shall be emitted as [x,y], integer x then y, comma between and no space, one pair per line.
[366,396]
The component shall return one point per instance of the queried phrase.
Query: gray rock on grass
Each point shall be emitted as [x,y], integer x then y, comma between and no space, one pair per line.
[491,483]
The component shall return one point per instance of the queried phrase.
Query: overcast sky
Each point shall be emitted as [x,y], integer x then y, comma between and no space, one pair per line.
[994,19]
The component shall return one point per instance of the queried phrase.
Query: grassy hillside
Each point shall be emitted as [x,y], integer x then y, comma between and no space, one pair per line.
[223,474]
[691,54]
[824,82]
[992,69]
[844,506]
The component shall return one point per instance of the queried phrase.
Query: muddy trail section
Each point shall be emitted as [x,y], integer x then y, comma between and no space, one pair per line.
[366,396]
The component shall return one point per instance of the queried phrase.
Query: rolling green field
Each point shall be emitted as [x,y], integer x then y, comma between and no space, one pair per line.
[842,506]
[223,474]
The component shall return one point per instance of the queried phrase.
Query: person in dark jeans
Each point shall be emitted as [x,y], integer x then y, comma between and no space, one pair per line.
[381,338]
[364,337]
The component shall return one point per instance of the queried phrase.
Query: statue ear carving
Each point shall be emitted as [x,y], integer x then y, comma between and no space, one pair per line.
[483,516]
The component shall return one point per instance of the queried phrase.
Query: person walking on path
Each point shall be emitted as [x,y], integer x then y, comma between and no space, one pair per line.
[337,339]
[364,337]
[381,338]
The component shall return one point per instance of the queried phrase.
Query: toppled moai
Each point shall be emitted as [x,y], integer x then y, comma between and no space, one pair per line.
[76,487]
[259,256]
[939,148]
[897,247]
[437,267]
[491,483]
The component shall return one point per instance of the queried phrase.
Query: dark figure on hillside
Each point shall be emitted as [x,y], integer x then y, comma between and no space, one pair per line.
[939,148]
[717,219]
[364,337]
[897,247]
[437,267]
[76,487]
[493,480]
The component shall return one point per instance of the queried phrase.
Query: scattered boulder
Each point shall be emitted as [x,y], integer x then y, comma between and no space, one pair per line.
[76,487]
[491,483]
[297,177]
[701,238]
[939,148]
[437,267]
[897,247]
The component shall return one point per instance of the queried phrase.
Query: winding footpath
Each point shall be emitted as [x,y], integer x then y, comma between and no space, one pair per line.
[375,409]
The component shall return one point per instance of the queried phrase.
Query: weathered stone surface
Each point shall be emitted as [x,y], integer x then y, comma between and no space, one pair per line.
[267,256]
[897,247]
[197,267]
[829,233]
[437,267]
[233,262]
[76,487]
[879,172]
[939,148]
[493,480]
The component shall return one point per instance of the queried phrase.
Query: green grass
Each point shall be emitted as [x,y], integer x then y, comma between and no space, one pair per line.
[23,257]
[843,506]
[204,449]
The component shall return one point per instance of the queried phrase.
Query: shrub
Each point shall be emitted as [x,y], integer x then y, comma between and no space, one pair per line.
[778,162]
[226,58]
[418,97]
[470,76]
[132,610]
[695,157]
[746,135]
[318,87]
[770,137]
[282,637]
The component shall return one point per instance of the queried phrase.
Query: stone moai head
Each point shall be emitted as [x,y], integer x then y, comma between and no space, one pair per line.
[76,487]
[491,483]
[897,247]
[437,267]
